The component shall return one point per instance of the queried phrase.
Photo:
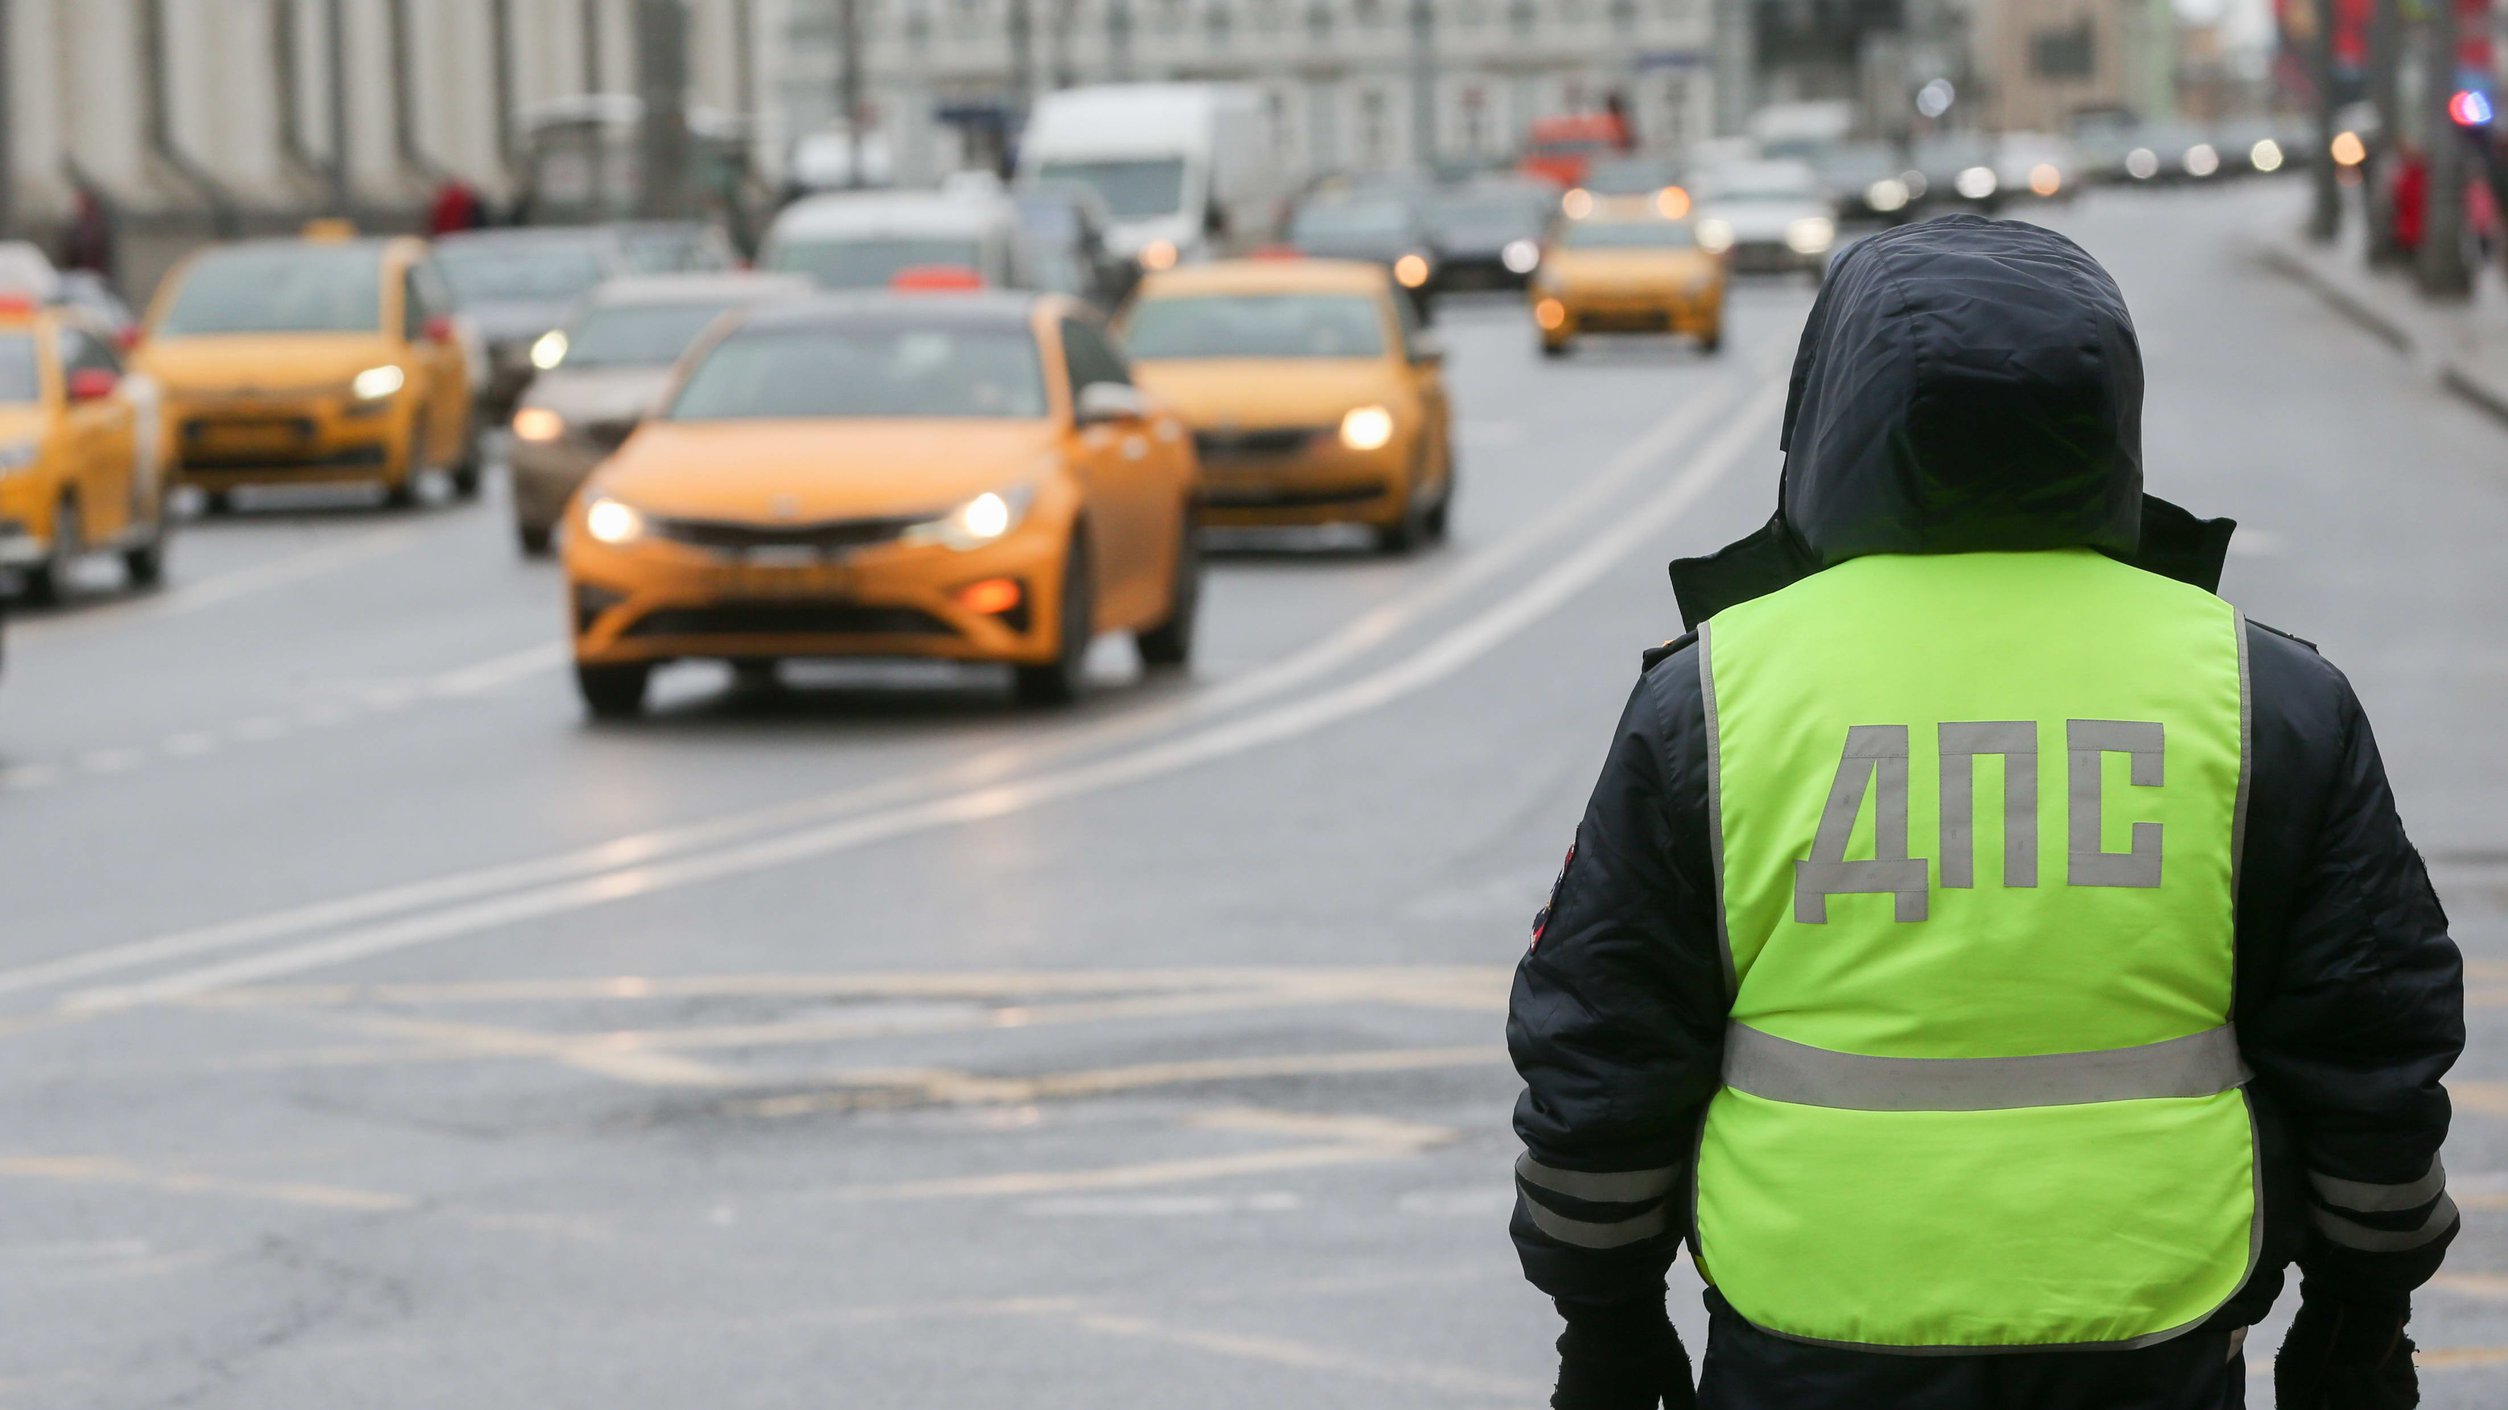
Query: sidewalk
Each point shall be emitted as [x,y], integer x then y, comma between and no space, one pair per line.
[2464,347]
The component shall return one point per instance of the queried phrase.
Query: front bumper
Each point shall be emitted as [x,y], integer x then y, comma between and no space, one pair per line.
[19,547]
[1774,257]
[1697,313]
[225,444]
[656,600]
[1295,476]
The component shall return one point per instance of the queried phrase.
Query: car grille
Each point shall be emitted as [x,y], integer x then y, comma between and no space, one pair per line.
[1274,442]
[772,618]
[1238,497]
[827,537]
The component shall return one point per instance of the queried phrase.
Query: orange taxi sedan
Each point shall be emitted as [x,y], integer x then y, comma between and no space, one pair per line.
[963,476]
[1314,395]
[327,360]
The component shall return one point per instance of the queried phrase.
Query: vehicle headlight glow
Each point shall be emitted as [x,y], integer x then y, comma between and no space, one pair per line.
[1159,254]
[1411,271]
[2142,163]
[1976,182]
[1886,195]
[979,521]
[538,423]
[1577,204]
[376,383]
[2045,179]
[18,455]
[1672,203]
[1550,314]
[549,350]
[1810,235]
[1367,428]
[1521,256]
[2348,149]
[2265,155]
[612,522]
[2202,160]
[1715,236]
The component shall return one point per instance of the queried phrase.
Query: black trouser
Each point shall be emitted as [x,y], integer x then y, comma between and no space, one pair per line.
[1748,1369]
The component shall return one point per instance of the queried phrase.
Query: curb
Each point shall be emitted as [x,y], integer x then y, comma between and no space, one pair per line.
[2383,321]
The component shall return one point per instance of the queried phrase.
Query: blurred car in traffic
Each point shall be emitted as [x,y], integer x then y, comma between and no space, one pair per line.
[1314,395]
[1958,171]
[1627,273]
[1066,226]
[1487,234]
[2172,152]
[1380,226]
[1868,181]
[970,477]
[82,452]
[2036,164]
[2256,146]
[27,272]
[674,247]
[1766,217]
[515,286]
[611,361]
[865,239]
[1561,150]
[1186,169]
[1649,178]
[333,360]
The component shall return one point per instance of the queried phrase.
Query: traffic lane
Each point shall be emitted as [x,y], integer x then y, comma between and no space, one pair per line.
[511,774]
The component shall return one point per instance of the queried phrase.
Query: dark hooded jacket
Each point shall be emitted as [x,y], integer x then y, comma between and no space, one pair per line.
[1966,385]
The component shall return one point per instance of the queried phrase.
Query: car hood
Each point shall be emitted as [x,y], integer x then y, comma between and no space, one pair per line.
[1963,385]
[1578,271]
[515,322]
[1762,220]
[275,362]
[812,471]
[599,394]
[1250,393]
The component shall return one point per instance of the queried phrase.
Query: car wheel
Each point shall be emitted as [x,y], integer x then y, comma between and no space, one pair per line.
[1554,349]
[1438,519]
[1712,341]
[1059,681]
[1169,645]
[467,474]
[217,502]
[534,539]
[1411,530]
[403,492]
[49,581]
[143,563]
[613,692]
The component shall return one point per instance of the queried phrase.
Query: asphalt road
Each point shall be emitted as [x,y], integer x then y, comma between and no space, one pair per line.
[374,1031]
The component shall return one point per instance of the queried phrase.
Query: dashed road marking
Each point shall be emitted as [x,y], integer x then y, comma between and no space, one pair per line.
[108,1170]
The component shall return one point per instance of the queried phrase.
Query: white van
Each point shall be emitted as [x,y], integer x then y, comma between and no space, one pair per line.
[866,239]
[1186,169]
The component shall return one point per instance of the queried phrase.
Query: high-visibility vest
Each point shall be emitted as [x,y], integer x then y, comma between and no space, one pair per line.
[1978,821]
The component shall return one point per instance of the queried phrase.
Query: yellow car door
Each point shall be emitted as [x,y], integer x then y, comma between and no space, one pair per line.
[436,348]
[103,435]
[1126,478]
[1424,371]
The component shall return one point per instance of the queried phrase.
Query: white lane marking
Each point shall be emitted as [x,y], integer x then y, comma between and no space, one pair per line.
[226,587]
[1382,623]
[1459,647]
[482,677]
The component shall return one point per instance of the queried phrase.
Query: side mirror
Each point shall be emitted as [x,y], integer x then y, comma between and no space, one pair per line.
[129,338]
[93,384]
[1428,350]
[1109,404]
[437,330]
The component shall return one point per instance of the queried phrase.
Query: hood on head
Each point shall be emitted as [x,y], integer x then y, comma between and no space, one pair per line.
[1963,385]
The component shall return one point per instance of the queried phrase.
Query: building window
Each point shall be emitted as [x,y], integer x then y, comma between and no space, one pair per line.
[1372,136]
[1219,23]
[2071,52]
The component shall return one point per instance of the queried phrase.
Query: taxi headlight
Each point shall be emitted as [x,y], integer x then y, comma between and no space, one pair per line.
[538,423]
[1158,254]
[2201,159]
[613,522]
[18,455]
[1367,428]
[1577,204]
[1810,235]
[1715,236]
[1411,271]
[2265,155]
[1977,182]
[376,383]
[1521,256]
[979,521]
[550,350]
[1886,195]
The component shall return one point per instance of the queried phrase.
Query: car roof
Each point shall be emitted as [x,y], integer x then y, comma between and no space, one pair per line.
[881,212]
[512,235]
[1266,276]
[1007,310]
[698,288]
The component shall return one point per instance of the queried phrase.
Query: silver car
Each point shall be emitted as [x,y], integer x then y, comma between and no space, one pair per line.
[599,375]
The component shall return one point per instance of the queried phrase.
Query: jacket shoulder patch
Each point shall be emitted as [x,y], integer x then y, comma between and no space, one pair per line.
[1541,918]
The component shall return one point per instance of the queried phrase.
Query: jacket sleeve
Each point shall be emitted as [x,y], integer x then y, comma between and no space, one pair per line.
[1617,1018]
[2351,1002]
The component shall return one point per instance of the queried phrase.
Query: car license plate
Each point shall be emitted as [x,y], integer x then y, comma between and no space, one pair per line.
[247,437]
[809,576]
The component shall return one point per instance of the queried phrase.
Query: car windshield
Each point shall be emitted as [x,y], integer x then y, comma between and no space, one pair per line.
[1133,189]
[1628,235]
[20,384]
[1628,178]
[1772,188]
[1946,153]
[1329,220]
[871,261]
[1511,213]
[639,335]
[1257,325]
[1051,222]
[665,252]
[519,271]
[279,289]
[814,373]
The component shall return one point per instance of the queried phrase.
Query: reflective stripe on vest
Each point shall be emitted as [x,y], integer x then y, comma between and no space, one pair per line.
[1977,824]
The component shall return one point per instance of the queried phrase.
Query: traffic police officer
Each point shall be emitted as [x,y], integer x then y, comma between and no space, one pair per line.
[1999,958]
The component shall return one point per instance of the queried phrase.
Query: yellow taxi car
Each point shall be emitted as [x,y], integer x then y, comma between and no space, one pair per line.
[967,476]
[1314,395]
[81,452]
[1627,269]
[329,360]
